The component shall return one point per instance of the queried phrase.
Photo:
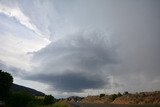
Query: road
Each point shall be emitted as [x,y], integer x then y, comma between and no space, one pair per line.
[107,105]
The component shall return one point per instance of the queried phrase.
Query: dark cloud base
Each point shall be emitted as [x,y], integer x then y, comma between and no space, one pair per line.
[72,82]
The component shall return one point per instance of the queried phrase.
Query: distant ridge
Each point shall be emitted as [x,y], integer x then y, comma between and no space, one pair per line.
[141,98]
[19,88]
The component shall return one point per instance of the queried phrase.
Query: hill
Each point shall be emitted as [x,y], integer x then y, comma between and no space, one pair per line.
[139,98]
[127,98]
[19,88]
[97,99]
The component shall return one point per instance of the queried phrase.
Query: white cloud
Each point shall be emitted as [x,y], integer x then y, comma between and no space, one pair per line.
[18,37]
[21,17]
[14,50]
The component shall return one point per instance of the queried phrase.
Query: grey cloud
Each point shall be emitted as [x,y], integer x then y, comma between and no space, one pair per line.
[77,60]
[11,69]
[72,82]
[134,25]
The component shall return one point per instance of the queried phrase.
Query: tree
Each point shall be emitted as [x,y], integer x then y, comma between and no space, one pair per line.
[49,99]
[19,99]
[6,81]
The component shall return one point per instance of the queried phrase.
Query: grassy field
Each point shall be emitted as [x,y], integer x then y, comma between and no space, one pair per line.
[56,105]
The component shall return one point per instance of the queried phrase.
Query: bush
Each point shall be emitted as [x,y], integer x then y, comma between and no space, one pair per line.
[49,99]
[113,96]
[125,93]
[20,99]
[119,94]
[101,95]
[37,102]
[58,104]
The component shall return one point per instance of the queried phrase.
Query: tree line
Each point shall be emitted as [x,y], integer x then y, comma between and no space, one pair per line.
[19,99]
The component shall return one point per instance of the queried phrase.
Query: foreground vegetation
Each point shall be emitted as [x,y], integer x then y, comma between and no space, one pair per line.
[58,104]
[21,99]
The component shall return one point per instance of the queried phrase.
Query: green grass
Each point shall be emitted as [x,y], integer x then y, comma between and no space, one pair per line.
[56,105]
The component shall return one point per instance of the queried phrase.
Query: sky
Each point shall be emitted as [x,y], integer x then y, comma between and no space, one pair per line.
[81,47]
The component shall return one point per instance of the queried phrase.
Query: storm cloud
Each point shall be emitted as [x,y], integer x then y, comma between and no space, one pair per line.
[76,62]
[76,45]
[72,82]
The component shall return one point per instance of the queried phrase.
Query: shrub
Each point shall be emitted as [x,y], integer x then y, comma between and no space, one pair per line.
[38,101]
[20,99]
[125,93]
[101,95]
[119,94]
[113,96]
[49,99]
